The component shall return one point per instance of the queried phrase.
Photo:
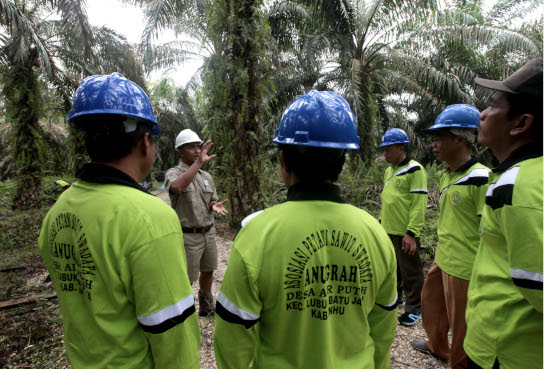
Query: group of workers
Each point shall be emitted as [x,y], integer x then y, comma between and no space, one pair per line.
[313,282]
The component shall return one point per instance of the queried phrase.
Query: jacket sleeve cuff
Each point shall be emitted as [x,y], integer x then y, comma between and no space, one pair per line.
[410,233]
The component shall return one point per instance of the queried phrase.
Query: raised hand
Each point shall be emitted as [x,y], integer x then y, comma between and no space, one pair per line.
[204,157]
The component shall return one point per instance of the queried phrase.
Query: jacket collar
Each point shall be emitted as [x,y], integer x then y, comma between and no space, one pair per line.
[314,192]
[529,151]
[404,162]
[466,166]
[104,174]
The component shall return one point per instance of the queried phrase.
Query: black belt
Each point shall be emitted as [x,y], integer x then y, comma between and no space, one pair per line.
[197,230]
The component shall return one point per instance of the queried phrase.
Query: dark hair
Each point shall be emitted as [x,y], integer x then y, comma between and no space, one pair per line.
[314,164]
[106,139]
[524,104]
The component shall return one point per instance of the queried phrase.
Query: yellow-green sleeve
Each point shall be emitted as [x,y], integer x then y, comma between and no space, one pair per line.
[418,192]
[237,313]
[385,176]
[158,284]
[524,246]
[382,319]
[479,198]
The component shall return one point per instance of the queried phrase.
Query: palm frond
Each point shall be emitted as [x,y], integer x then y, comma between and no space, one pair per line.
[75,23]
[22,34]
[503,12]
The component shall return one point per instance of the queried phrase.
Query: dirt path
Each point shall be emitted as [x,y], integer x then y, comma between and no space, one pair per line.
[402,355]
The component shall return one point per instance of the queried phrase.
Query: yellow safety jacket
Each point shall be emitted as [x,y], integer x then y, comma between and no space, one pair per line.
[504,310]
[404,199]
[116,258]
[310,283]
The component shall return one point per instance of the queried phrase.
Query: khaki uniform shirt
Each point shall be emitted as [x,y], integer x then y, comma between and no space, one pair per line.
[191,205]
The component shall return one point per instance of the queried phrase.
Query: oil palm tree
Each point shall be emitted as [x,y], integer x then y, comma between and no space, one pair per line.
[423,48]
[234,40]
[27,57]
[48,45]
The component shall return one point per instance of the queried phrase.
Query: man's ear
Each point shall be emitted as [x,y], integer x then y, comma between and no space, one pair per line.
[523,125]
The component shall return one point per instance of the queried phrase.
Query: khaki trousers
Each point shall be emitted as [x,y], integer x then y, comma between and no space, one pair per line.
[443,305]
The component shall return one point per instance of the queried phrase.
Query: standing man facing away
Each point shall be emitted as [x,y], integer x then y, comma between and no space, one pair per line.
[462,195]
[114,252]
[504,312]
[311,282]
[194,198]
[404,201]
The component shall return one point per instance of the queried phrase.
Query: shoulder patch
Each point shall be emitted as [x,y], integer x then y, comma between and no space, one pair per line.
[250,216]
[500,193]
[477,177]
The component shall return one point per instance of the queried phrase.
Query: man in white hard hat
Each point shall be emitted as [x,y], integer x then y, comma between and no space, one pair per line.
[194,198]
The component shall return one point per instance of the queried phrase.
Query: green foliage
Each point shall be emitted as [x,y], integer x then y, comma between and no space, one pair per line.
[175,111]
[48,195]
[77,152]
[429,236]
[18,237]
[8,189]
[362,186]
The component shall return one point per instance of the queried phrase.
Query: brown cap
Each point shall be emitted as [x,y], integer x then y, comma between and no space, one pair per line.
[525,81]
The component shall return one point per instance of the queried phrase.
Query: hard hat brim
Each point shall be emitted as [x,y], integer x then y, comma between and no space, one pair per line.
[393,143]
[154,125]
[188,142]
[322,144]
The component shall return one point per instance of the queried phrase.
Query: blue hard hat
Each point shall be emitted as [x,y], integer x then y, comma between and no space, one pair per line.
[394,136]
[457,116]
[318,119]
[112,94]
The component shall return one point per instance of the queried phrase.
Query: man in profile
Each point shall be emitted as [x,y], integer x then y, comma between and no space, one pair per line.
[504,311]
[462,195]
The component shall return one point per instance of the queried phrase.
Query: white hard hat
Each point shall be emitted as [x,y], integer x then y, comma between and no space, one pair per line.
[187,136]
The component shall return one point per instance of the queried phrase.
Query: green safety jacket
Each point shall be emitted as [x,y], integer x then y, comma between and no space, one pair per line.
[116,258]
[404,199]
[462,198]
[310,283]
[504,310]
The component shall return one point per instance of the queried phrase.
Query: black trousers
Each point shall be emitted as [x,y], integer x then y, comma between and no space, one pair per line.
[409,275]
[473,365]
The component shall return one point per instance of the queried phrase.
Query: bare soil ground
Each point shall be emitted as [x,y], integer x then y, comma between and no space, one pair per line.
[31,335]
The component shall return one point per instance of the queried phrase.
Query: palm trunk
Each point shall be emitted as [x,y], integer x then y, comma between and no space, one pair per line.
[23,107]
[237,105]
[77,151]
